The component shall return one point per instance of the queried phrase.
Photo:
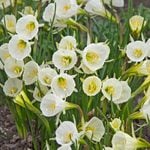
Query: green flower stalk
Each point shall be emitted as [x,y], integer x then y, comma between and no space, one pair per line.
[73,23]
[22,100]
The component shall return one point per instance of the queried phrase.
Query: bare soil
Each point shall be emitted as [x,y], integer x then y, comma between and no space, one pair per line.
[9,139]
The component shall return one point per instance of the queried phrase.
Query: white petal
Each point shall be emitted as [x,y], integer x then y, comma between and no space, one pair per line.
[4,53]
[112,88]
[30,72]
[12,87]
[137,51]
[148,43]
[95,7]
[125,95]
[122,141]
[66,133]
[51,105]
[27,26]
[63,85]
[64,147]
[46,75]
[95,55]
[64,60]
[39,92]
[67,43]
[49,12]
[18,47]
[91,85]
[13,68]
[94,129]
[10,22]
[66,8]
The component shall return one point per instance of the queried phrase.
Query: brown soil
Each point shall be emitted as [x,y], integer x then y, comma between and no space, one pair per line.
[146,3]
[9,140]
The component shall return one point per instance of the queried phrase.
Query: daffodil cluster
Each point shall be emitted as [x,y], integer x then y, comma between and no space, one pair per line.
[74,86]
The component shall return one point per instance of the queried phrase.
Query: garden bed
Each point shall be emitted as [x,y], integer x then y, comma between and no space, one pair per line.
[9,139]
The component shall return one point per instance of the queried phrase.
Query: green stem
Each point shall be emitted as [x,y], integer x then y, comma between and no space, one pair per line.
[30,125]
[71,105]
[136,115]
[104,106]
[39,8]
[15,8]
[89,103]
[143,143]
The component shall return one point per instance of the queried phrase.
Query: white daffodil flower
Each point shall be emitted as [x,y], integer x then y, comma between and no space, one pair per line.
[64,147]
[5,3]
[50,15]
[28,10]
[27,27]
[118,3]
[39,92]
[64,60]
[66,8]
[30,72]
[125,94]
[49,12]
[94,129]
[115,3]
[123,141]
[46,75]
[95,7]
[12,87]
[137,51]
[116,124]
[95,55]
[4,53]
[136,23]
[112,89]
[92,85]
[18,47]
[13,67]
[10,23]
[148,43]
[68,43]
[66,133]
[63,85]
[51,105]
